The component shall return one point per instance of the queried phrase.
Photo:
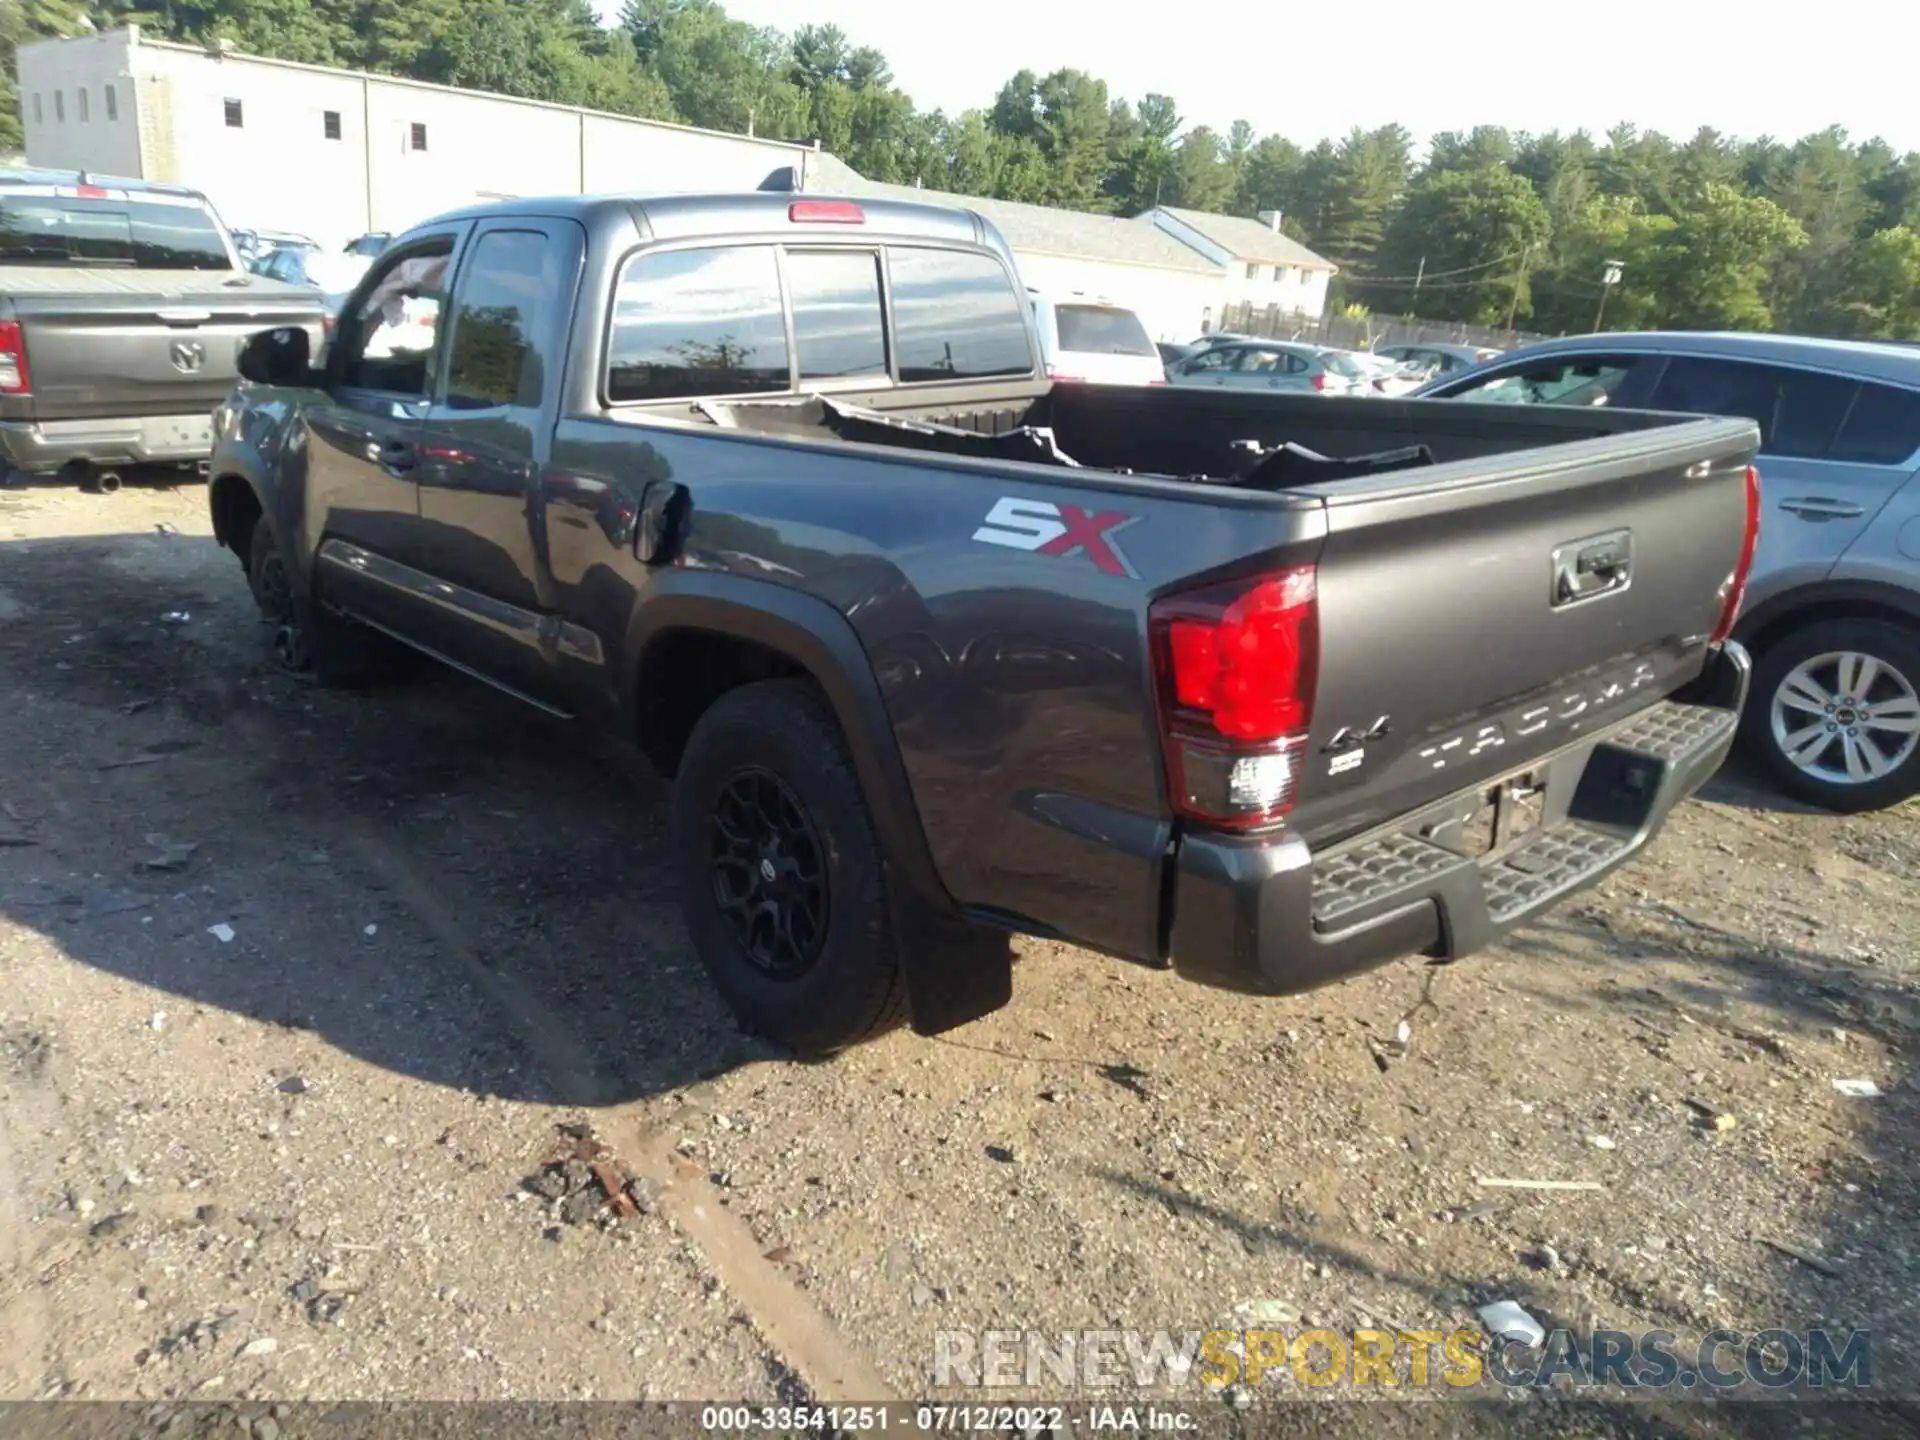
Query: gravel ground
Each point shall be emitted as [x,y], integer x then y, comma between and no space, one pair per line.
[300,986]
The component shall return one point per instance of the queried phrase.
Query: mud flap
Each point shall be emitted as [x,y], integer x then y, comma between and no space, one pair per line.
[956,971]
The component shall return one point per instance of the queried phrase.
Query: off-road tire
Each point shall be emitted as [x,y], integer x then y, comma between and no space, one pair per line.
[1895,646]
[306,639]
[854,989]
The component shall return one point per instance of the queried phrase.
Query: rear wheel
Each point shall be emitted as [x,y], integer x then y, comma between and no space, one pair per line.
[1835,714]
[784,888]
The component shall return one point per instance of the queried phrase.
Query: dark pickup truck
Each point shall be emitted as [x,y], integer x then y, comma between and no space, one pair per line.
[122,311]
[1264,688]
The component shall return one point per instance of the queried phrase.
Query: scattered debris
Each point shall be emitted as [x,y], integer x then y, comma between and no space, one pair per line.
[158,1020]
[100,1229]
[265,1345]
[370,931]
[169,854]
[222,932]
[1267,1312]
[134,707]
[1601,1142]
[582,1182]
[1002,1153]
[1545,1257]
[1858,1089]
[96,903]
[1493,1183]
[781,1255]
[1805,1257]
[1707,1117]
[177,617]
[293,1085]
[16,840]
[136,760]
[1053,1096]
[1127,1077]
[1507,1320]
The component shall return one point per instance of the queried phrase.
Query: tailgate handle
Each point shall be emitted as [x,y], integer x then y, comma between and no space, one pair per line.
[180,318]
[1598,565]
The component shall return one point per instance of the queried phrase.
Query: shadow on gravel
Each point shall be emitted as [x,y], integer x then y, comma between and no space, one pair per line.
[526,940]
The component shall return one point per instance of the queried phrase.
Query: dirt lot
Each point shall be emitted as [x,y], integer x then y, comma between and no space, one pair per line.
[290,1164]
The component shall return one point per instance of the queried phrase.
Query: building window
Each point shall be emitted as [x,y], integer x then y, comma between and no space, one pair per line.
[330,123]
[59,105]
[235,118]
[38,117]
[1282,274]
[1253,272]
[81,96]
[113,103]
[419,137]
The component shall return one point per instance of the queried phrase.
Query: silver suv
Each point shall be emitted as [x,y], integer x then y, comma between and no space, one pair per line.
[1832,613]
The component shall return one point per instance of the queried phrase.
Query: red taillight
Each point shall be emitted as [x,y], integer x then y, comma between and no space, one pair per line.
[91,192]
[1236,666]
[14,379]
[1062,378]
[1319,382]
[826,212]
[1735,590]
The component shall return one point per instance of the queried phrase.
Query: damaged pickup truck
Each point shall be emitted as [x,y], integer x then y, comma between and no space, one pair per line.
[1262,688]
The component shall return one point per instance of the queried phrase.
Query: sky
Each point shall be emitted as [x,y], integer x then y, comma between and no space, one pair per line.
[1311,71]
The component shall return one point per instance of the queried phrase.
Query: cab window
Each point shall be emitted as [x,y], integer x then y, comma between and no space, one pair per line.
[1567,380]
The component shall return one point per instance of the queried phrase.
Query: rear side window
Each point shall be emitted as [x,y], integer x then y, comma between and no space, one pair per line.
[143,234]
[839,328]
[1575,380]
[956,316]
[697,322]
[1342,365]
[507,292]
[1102,330]
[1883,428]
[1798,411]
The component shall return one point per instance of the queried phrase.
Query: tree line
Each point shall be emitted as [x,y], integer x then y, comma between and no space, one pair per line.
[1818,235]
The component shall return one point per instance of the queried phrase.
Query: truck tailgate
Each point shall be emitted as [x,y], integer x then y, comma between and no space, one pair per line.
[1476,616]
[107,343]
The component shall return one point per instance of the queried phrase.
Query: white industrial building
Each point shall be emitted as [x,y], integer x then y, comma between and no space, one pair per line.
[335,153]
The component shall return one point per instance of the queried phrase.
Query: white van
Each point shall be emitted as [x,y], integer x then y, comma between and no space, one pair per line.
[1088,339]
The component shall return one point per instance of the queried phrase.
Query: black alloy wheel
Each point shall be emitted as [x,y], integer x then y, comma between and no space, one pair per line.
[769,873]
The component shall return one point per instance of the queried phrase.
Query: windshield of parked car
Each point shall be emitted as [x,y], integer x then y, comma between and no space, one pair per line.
[1102,330]
[1348,367]
[47,227]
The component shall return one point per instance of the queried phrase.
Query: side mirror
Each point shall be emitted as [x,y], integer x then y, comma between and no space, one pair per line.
[277,357]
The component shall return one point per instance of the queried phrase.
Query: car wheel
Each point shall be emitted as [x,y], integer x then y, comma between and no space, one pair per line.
[306,639]
[781,873]
[1835,714]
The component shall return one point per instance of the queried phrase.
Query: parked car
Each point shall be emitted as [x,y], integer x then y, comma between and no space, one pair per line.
[1274,365]
[1430,361]
[371,243]
[333,275]
[650,471]
[122,308]
[1084,338]
[1387,376]
[1173,354]
[1833,611]
[257,247]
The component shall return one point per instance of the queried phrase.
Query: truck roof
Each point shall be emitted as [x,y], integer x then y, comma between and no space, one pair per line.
[20,175]
[676,217]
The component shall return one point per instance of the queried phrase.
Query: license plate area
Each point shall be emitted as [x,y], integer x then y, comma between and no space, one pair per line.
[1495,821]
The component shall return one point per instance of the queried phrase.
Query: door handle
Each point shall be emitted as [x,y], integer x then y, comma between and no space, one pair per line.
[1822,507]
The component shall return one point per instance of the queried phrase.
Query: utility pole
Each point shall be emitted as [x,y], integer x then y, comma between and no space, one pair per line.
[1519,278]
[1609,277]
[1418,275]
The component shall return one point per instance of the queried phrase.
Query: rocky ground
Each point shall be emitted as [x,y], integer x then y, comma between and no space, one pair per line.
[298,990]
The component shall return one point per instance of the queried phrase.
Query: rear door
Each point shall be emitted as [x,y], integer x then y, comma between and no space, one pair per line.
[1106,345]
[483,444]
[362,496]
[1818,496]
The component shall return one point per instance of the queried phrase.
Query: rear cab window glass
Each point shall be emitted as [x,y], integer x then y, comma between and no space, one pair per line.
[839,326]
[956,316]
[697,322]
[41,225]
[1883,428]
[1102,330]
[1798,411]
[503,310]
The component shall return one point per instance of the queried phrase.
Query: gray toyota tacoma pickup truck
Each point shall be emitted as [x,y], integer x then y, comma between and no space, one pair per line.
[123,306]
[1263,688]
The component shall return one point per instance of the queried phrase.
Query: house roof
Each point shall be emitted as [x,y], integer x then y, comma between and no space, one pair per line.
[1036,229]
[1247,239]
